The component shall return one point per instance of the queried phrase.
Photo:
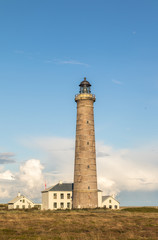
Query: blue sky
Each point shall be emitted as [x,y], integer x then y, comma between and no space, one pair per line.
[46,49]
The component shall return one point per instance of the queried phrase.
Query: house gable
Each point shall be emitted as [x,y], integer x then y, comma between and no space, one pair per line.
[20,202]
[110,202]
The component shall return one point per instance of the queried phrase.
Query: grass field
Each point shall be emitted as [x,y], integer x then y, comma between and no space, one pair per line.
[99,224]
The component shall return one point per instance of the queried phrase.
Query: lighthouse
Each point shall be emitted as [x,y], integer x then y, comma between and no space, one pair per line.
[85,177]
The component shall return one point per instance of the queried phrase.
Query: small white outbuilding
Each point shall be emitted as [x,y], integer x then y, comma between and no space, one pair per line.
[20,202]
[110,202]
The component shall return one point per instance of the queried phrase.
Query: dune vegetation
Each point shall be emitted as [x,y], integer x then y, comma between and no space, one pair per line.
[98,224]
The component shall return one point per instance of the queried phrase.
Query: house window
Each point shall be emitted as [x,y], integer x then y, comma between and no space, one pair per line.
[17,206]
[20,200]
[68,195]
[109,201]
[62,196]
[87,122]
[115,206]
[87,143]
[23,206]
[104,206]
[110,206]
[88,187]
[23,200]
[55,204]
[61,205]
[88,166]
[55,195]
[68,205]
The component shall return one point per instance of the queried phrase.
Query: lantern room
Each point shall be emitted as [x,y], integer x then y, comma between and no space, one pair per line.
[85,86]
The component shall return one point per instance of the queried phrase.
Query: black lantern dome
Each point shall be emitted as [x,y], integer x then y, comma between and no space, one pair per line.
[85,86]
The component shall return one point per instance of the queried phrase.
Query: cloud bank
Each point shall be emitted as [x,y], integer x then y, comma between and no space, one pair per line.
[127,169]
[7,158]
[117,169]
[29,180]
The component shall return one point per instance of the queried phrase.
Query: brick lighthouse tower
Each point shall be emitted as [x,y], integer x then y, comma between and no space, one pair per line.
[85,178]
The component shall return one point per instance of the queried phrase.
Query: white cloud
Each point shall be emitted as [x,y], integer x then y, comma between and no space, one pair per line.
[116,82]
[48,61]
[4,193]
[72,62]
[7,175]
[127,169]
[29,180]
[31,173]
[59,156]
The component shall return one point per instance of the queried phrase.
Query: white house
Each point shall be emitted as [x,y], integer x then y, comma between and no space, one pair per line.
[20,202]
[110,202]
[60,196]
[57,197]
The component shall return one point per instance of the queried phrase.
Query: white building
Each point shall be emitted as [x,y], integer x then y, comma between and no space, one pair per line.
[60,196]
[110,202]
[20,202]
[57,197]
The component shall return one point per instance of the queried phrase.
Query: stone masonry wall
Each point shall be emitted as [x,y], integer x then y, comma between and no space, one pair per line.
[85,178]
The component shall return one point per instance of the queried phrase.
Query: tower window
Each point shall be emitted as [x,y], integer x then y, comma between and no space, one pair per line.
[88,187]
[88,166]
[87,143]
[87,122]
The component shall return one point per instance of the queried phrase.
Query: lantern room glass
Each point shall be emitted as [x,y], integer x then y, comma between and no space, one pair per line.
[85,89]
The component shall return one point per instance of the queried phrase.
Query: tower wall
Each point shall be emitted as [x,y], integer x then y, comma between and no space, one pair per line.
[85,177]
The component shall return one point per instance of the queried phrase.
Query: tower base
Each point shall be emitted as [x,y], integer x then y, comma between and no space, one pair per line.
[85,199]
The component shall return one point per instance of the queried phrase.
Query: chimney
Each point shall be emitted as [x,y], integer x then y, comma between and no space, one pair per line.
[19,194]
[60,182]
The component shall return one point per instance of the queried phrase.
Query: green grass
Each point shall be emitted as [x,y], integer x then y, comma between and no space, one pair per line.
[141,209]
